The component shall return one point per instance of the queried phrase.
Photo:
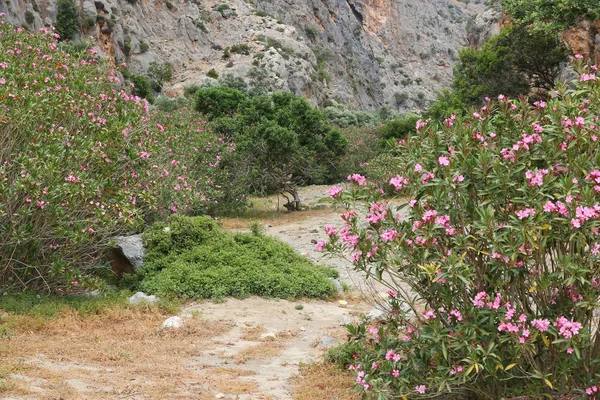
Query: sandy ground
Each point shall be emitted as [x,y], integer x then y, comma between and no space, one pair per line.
[237,349]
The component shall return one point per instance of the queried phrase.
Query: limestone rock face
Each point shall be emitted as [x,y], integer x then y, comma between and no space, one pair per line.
[365,53]
[584,39]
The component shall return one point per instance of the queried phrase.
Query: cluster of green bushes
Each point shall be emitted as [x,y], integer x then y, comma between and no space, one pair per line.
[512,63]
[194,258]
[282,141]
[150,84]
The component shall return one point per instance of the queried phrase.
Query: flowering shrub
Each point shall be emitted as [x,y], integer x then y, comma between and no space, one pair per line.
[81,161]
[493,264]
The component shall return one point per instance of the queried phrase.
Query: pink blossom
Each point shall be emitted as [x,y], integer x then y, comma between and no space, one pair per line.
[540,324]
[398,182]
[479,300]
[429,315]
[420,389]
[522,214]
[359,179]
[389,235]
[458,179]
[418,168]
[395,373]
[443,161]
[334,191]
[587,77]
[320,245]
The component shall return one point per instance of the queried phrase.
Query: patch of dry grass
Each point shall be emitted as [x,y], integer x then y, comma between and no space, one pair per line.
[263,350]
[252,333]
[117,352]
[271,217]
[323,382]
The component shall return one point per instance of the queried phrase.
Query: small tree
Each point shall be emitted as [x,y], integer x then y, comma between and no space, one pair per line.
[67,20]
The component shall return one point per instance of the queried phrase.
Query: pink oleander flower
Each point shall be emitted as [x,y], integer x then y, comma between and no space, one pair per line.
[399,182]
[320,245]
[522,214]
[443,161]
[334,191]
[540,324]
[420,389]
[388,235]
[418,168]
[359,179]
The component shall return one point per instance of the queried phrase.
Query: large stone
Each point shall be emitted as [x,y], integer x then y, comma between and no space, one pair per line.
[132,248]
[173,323]
[328,341]
[142,298]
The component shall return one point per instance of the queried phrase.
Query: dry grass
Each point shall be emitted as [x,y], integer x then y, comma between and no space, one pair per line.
[323,382]
[263,350]
[119,352]
[252,333]
[264,210]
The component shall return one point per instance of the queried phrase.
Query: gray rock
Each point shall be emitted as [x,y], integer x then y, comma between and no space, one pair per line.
[173,323]
[346,320]
[142,298]
[382,310]
[133,249]
[328,341]
[89,9]
[338,285]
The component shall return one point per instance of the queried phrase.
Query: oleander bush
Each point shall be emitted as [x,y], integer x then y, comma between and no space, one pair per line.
[493,265]
[82,160]
[193,258]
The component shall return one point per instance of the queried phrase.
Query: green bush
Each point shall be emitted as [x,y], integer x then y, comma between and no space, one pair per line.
[164,103]
[493,259]
[67,20]
[141,86]
[29,17]
[510,63]
[240,48]
[212,73]
[144,47]
[193,258]
[159,74]
[550,15]
[190,90]
[219,101]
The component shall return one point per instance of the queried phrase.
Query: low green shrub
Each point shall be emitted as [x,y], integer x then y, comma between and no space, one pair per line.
[193,258]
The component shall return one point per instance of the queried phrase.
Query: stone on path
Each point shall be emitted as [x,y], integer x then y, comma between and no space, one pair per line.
[143,298]
[173,322]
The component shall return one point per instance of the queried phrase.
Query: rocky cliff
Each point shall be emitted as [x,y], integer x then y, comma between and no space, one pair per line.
[364,53]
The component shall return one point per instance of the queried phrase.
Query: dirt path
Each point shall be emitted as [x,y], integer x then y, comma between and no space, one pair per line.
[238,349]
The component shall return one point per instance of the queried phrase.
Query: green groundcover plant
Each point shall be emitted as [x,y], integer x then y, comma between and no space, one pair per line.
[193,258]
[493,265]
[81,160]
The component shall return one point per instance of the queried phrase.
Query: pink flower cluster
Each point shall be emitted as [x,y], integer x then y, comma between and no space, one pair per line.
[525,213]
[566,328]
[334,191]
[536,178]
[399,182]
[359,179]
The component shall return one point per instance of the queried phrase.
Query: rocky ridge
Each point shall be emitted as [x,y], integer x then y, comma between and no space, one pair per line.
[363,53]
